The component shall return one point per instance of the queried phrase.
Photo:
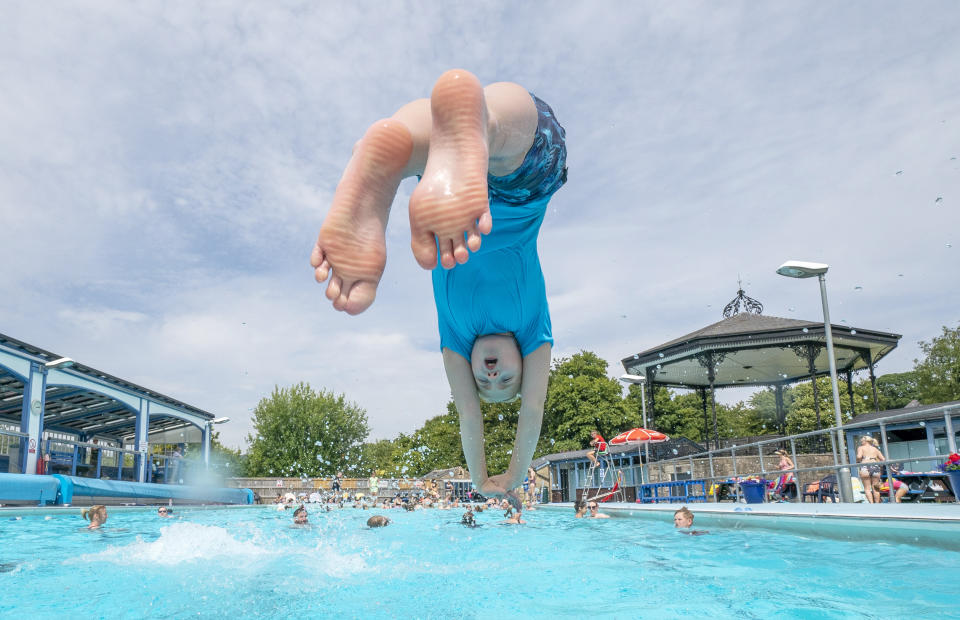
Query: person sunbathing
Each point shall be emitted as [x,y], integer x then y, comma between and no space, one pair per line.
[489,160]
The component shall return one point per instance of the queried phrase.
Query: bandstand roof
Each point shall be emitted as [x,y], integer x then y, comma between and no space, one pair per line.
[751,349]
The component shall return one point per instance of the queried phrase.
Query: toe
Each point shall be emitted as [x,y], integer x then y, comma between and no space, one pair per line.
[322,271]
[460,251]
[446,254]
[485,223]
[424,248]
[473,238]
[333,289]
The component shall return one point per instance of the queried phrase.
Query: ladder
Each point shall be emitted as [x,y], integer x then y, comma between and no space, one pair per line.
[606,468]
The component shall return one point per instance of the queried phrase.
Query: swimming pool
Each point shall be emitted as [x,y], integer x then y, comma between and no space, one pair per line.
[249,561]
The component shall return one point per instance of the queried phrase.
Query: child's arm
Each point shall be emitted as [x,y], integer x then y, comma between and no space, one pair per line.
[464,388]
[533,391]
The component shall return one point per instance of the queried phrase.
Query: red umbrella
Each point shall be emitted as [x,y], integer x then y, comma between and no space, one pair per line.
[639,435]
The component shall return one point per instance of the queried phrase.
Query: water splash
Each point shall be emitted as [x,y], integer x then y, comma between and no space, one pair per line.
[178,543]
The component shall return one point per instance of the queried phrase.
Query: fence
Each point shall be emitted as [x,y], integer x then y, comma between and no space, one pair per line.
[751,459]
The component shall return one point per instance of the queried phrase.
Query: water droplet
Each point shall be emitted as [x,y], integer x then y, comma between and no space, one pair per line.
[843,320]
[552,441]
[791,308]
[939,199]
[805,330]
[660,354]
[922,423]
[675,451]
[853,332]
[949,246]
[319,457]
[271,471]
[450,474]
[317,443]
[635,356]
[864,397]
[899,172]
[858,288]
[500,417]
[658,366]
[899,275]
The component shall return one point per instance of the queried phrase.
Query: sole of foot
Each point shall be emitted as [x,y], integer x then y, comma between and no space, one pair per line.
[449,209]
[351,249]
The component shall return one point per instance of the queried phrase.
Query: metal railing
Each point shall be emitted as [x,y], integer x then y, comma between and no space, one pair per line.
[948,411]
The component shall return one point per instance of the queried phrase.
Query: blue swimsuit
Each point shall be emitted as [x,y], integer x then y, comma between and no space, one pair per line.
[501,288]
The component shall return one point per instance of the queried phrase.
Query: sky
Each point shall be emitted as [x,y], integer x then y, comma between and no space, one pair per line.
[165,168]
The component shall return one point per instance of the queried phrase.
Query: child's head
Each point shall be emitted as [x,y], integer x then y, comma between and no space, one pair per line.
[300,515]
[683,518]
[497,367]
[97,515]
[594,434]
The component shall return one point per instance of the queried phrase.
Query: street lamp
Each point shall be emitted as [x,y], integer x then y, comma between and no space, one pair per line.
[801,269]
[641,381]
[206,438]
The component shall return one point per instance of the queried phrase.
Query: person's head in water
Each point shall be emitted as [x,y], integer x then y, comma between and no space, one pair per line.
[683,518]
[97,515]
[300,515]
[580,507]
[468,518]
[497,367]
[164,513]
[378,521]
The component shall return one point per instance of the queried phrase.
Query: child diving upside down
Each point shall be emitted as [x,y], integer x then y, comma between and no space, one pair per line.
[489,159]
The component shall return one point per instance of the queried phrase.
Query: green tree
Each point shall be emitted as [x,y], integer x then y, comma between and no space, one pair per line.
[300,432]
[938,374]
[580,398]
[894,390]
[801,416]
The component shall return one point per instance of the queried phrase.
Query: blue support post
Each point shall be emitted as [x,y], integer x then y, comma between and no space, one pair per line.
[99,460]
[73,464]
[120,465]
[31,417]
[206,446]
[141,444]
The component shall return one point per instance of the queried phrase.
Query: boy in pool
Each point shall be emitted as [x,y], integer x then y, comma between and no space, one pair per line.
[683,521]
[489,159]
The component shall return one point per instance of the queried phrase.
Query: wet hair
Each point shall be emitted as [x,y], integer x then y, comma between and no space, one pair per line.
[300,511]
[579,505]
[98,511]
[378,521]
[685,513]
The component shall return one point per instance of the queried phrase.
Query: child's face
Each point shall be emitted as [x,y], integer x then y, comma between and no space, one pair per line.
[497,367]
[679,520]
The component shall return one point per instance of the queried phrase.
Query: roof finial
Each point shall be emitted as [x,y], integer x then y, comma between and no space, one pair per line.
[749,304]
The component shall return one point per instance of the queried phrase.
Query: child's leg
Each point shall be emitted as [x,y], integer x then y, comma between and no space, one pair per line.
[451,140]
[473,130]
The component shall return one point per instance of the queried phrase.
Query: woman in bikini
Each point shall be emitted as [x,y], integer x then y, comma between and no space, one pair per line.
[869,453]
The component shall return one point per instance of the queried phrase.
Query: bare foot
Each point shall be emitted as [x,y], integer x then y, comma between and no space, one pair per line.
[451,199]
[351,248]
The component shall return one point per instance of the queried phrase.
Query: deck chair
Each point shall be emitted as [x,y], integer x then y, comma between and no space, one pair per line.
[824,488]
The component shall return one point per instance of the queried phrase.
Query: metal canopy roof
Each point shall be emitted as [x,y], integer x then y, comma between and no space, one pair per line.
[84,412]
[749,349]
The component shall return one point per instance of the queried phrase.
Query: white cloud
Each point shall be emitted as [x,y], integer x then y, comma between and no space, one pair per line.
[164,170]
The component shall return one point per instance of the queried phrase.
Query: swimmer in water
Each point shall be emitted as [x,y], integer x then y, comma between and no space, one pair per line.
[165,513]
[683,521]
[378,521]
[300,516]
[489,160]
[97,515]
[468,519]
[514,518]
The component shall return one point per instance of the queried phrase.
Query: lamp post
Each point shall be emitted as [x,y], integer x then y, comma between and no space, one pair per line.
[641,381]
[206,438]
[800,269]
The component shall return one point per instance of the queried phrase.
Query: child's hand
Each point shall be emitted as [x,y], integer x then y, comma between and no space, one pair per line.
[494,486]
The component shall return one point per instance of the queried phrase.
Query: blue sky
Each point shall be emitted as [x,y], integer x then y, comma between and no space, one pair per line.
[165,167]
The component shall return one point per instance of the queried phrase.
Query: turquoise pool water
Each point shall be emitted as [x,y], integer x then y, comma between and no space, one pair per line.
[250,562]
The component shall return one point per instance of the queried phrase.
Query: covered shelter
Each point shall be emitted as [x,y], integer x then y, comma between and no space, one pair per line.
[747,348]
[77,408]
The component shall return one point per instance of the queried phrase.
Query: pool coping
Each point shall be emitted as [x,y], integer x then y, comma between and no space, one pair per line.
[934,525]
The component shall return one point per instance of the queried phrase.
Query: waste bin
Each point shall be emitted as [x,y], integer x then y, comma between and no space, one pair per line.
[753,490]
